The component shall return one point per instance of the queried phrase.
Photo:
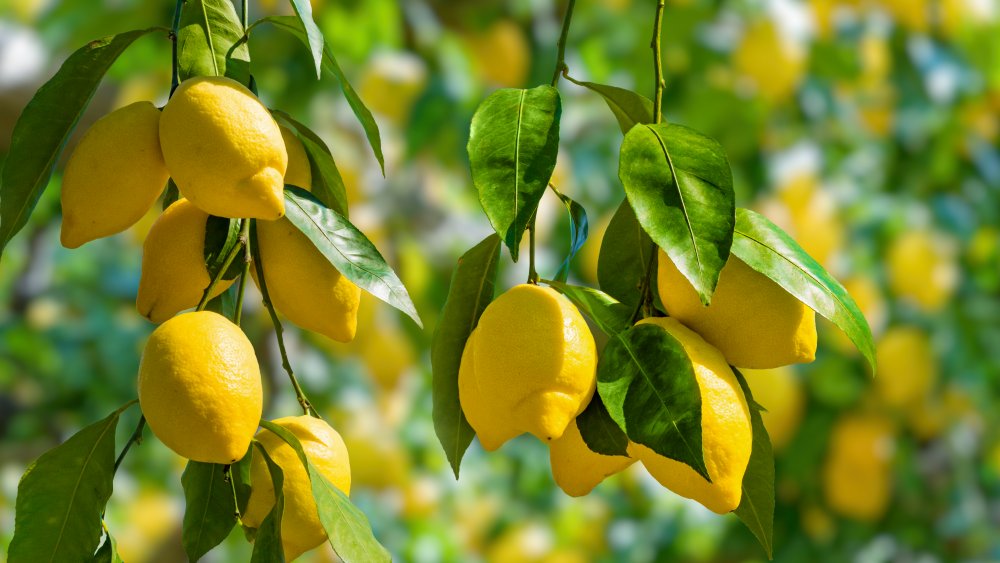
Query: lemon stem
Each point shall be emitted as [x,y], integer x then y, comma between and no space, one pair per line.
[245,242]
[206,297]
[245,14]
[644,308]
[175,78]
[227,475]
[135,438]
[561,45]
[532,274]
[659,83]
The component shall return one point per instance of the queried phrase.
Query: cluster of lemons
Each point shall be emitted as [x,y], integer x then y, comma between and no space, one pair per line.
[530,366]
[199,379]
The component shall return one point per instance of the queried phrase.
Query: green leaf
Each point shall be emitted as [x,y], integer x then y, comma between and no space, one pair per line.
[348,530]
[210,41]
[210,507]
[625,251]
[221,236]
[62,495]
[108,552]
[293,25]
[578,229]
[771,251]
[648,385]
[629,108]
[48,120]
[471,290]
[599,431]
[609,315]
[679,183]
[239,472]
[171,194]
[224,303]
[328,185]
[315,41]
[267,542]
[348,249]
[756,508]
[513,142]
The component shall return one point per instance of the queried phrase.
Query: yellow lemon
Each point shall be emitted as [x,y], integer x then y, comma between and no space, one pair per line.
[392,83]
[534,360]
[302,283]
[780,392]
[576,468]
[769,61]
[174,276]
[199,387]
[726,437]
[907,367]
[301,529]
[379,462]
[856,476]
[224,150]
[922,268]
[385,367]
[298,173]
[113,176]
[501,54]
[751,320]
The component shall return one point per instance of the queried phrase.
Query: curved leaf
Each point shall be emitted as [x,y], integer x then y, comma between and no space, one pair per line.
[599,431]
[756,508]
[625,251]
[221,236]
[578,230]
[314,37]
[328,185]
[209,507]
[513,142]
[629,107]
[267,540]
[609,315]
[108,552]
[210,41]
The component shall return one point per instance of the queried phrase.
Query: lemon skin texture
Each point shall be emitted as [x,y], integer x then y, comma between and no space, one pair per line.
[301,529]
[535,361]
[576,468]
[726,436]
[114,175]
[199,387]
[857,474]
[174,275]
[224,150]
[298,172]
[751,320]
[490,425]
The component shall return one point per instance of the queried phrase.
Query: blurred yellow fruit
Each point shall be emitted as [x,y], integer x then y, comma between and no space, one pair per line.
[378,462]
[869,298]
[174,276]
[199,387]
[810,216]
[577,469]
[922,267]
[534,360]
[524,543]
[751,320]
[856,477]
[392,83]
[114,175]
[914,15]
[148,519]
[907,366]
[500,54]
[769,61]
[298,172]
[817,524]
[388,354]
[301,529]
[780,392]
[726,437]
[224,150]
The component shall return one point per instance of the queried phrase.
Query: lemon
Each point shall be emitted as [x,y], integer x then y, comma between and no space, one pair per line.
[576,468]
[856,476]
[301,529]
[726,437]
[114,175]
[751,320]
[392,83]
[298,173]
[302,283]
[501,54]
[907,367]
[174,276]
[773,65]
[780,392]
[533,363]
[199,387]
[387,369]
[224,150]
[922,268]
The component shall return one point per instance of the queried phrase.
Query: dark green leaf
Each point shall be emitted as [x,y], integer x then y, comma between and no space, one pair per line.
[267,541]
[769,250]
[629,108]
[210,41]
[41,132]
[756,508]
[609,315]
[171,194]
[328,185]
[679,183]
[108,552]
[626,250]
[648,385]
[221,236]
[210,507]
[471,290]
[599,431]
[62,495]
[513,142]
[578,229]
[224,303]
[348,249]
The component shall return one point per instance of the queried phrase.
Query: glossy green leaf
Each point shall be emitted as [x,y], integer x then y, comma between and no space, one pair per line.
[756,508]
[472,287]
[328,185]
[599,431]
[209,41]
[578,229]
[62,495]
[625,252]
[628,107]
[771,251]
[267,538]
[608,314]
[222,235]
[679,183]
[513,143]
[348,249]
[47,122]
[108,552]
[303,11]
[648,385]
[209,507]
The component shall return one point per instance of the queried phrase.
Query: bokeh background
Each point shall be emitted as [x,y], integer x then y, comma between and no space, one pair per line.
[867,128]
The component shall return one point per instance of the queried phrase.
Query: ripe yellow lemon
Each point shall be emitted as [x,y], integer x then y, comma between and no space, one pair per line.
[576,468]
[751,320]
[531,368]
[922,267]
[907,367]
[199,387]
[224,150]
[113,176]
[298,173]
[856,477]
[301,529]
[174,276]
[726,437]
[780,392]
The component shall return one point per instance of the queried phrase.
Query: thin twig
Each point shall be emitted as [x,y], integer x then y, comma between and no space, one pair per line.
[532,273]
[135,438]
[245,241]
[233,252]
[175,77]
[659,83]
[561,45]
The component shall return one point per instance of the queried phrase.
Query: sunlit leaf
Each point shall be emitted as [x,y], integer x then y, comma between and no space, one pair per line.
[628,107]
[608,314]
[209,41]
[599,431]
[756,508]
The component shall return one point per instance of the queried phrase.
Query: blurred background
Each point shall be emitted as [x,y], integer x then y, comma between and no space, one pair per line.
[867,128]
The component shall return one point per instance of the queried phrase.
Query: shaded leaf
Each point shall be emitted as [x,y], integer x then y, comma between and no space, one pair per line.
[608,314]
[108,552]
[578,229]
[599,431]
[171,194]
[328,185]
[210,41]
[267,538]
[625,251]
[756,508]
[209,507]
[628,107]
[314,37]
[222,235]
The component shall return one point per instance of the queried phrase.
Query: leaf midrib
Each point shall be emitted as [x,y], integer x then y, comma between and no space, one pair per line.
[680,195]
[517,154]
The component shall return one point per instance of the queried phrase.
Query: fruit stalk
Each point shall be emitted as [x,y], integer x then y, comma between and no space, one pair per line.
[135,438]
[175,78]
[561,45]
[644,308]
[206,297]
[244,241]
[659,83]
